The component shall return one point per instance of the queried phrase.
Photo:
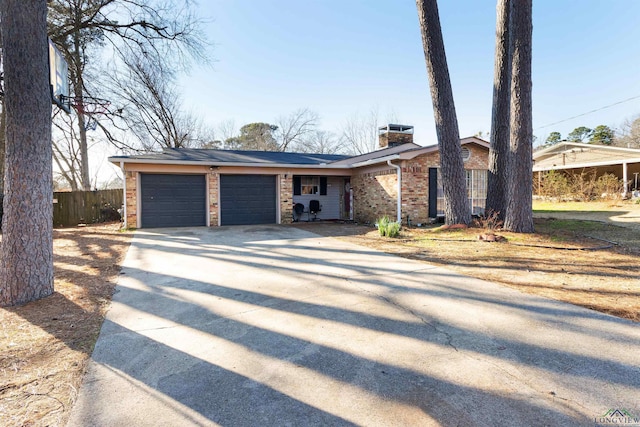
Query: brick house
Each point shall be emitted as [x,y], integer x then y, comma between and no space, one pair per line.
[199,187]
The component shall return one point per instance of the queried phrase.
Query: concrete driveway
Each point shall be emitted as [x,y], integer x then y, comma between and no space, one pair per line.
[276,326]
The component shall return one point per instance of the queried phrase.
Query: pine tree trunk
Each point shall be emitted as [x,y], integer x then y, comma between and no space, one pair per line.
[2,145]
[519,215]
[457,210]
[26,265]
[2,137]
[499,149]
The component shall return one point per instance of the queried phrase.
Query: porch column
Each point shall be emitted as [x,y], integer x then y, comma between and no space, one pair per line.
[625,185]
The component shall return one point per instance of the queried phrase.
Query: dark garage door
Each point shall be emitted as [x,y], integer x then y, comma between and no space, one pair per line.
[247,199]
[173,200]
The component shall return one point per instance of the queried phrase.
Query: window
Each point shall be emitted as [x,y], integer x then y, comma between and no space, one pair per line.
[477,190]
[476,180]
[310,185]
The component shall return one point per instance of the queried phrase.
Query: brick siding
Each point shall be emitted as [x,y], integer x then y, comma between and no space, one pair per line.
[131,199]
[375,191]
[286,198]
[374,195]
[214,179]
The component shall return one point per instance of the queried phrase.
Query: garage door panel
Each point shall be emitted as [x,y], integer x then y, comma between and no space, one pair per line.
[247,199]
[173,200]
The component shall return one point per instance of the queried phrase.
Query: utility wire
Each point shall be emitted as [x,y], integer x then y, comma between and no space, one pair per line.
[589,112]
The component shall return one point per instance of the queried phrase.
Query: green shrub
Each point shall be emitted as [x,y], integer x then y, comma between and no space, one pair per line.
[388,228]
[383,223]
[393,229]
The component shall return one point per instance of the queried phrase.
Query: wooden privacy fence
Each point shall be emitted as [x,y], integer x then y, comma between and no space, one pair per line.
[86,207]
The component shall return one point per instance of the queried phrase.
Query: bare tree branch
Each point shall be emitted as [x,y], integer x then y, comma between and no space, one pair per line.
[294,127]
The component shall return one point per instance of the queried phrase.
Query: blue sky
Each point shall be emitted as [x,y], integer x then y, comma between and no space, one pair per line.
[341,58]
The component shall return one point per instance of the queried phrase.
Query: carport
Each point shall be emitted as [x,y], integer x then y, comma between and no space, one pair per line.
[572,157]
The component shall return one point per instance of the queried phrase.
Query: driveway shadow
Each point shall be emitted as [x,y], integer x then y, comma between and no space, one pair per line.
[277,326]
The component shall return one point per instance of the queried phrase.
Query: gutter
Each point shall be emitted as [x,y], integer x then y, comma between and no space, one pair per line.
[376,160]
[399,198]
[115,160]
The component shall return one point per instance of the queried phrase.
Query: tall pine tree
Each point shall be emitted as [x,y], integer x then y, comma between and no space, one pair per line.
[457,210]
[26,264]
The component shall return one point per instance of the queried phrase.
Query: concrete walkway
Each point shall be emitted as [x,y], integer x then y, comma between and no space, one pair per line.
[276,326]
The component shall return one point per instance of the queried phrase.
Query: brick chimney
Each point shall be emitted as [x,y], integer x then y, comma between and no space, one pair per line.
[394,135]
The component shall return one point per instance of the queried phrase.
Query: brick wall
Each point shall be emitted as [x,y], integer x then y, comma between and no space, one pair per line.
[131,199]
[479,157]
[374,194]
[214,179]
[375,191]
[286,198]
[391,139]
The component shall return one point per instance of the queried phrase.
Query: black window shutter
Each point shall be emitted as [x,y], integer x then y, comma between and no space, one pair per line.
[323,185]
[297,186]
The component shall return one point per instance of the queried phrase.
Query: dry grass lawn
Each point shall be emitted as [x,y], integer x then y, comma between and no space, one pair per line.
[593,264]
[45,344]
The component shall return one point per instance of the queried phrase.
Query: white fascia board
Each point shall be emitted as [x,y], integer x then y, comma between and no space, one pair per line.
[586,165]
[118,160]
[568,146]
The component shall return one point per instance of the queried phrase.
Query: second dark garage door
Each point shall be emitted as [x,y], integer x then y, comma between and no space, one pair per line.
[247,199]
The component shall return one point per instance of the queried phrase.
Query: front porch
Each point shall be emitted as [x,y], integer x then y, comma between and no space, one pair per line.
[332,192]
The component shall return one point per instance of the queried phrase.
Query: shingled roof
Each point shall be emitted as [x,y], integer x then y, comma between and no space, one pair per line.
[214,157]
[208,157]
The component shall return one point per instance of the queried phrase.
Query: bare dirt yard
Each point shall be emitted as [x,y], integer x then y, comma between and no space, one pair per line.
[44,345]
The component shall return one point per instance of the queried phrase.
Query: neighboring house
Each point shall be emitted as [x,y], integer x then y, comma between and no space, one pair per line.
[573,157]
[200,187]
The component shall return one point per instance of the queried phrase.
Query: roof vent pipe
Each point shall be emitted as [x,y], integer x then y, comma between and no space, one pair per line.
[399,197]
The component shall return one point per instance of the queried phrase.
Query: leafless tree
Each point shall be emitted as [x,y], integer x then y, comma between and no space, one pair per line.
[457,210]
[359,133]
[153,109]
[66,152]
[226,130]
[320,142]
[499,149]
[295,127]
[158,30]
[628,135]
[519,214]
[26,264]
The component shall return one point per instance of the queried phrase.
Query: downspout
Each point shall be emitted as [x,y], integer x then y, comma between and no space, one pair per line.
[124,194]
[399,201]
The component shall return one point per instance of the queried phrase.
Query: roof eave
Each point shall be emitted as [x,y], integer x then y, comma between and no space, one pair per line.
[375,161]
[555,149]
[586,165]
[118,160]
